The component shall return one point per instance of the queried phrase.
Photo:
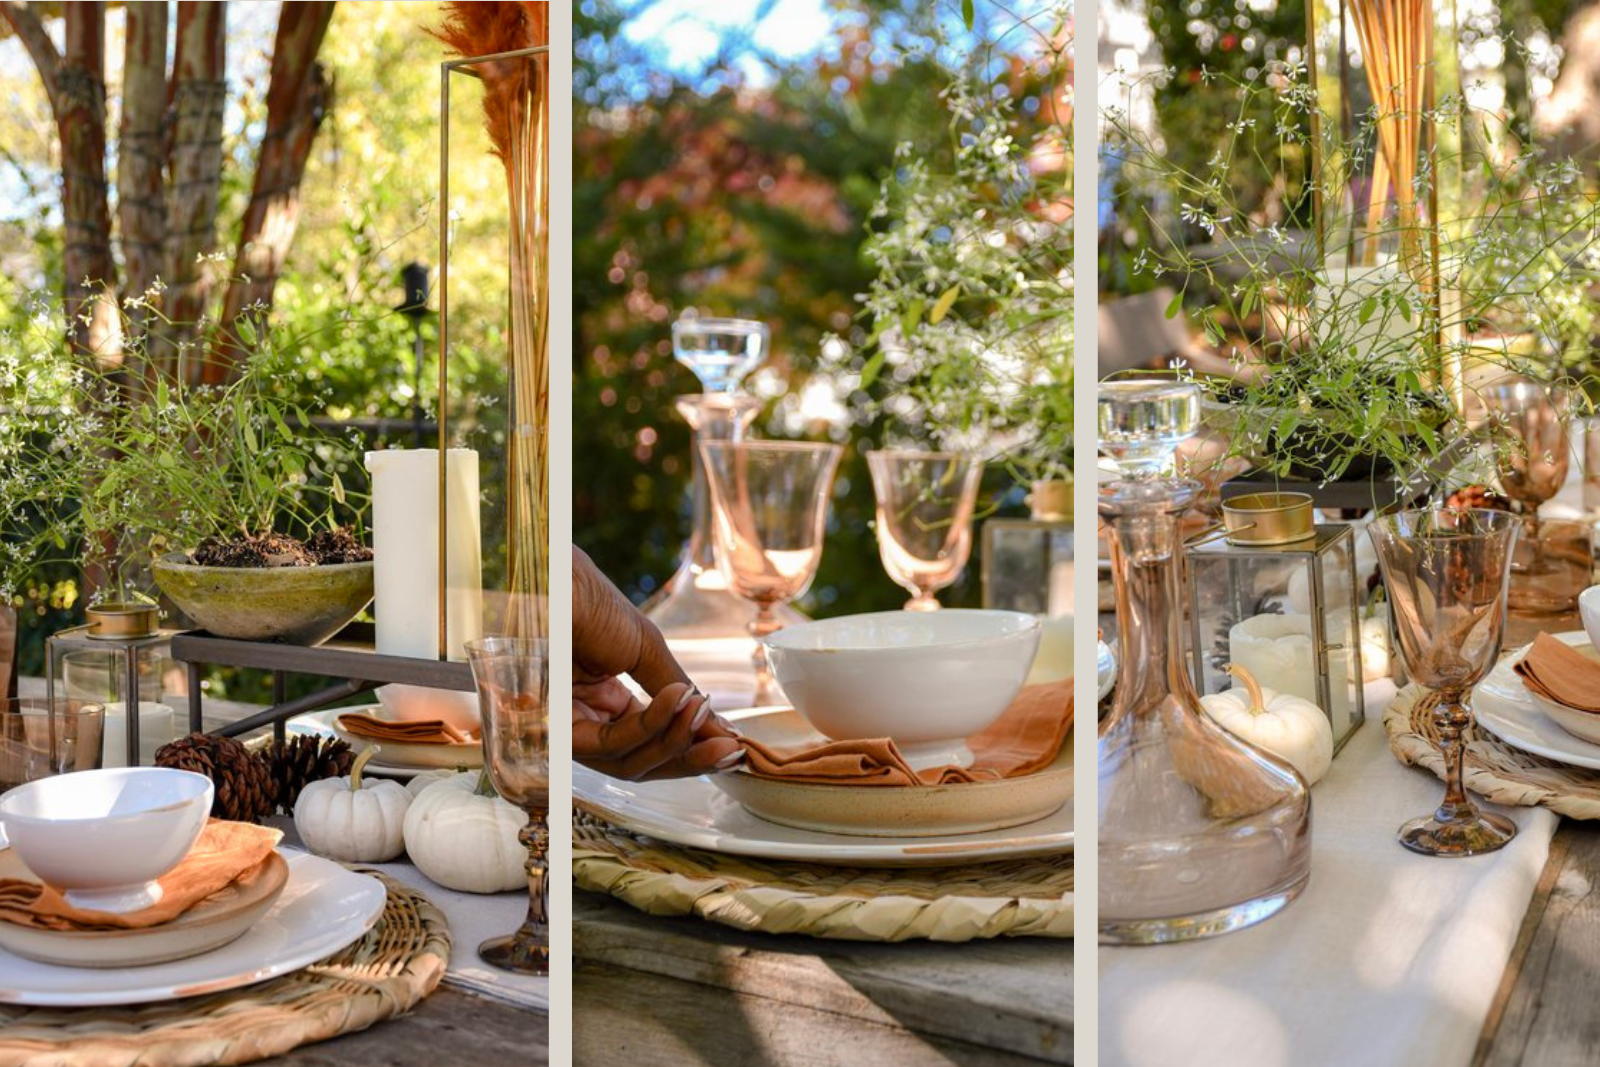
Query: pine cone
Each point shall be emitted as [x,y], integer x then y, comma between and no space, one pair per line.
[296,763]
[241,783]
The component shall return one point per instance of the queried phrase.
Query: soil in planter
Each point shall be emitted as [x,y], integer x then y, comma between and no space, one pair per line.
[281,550]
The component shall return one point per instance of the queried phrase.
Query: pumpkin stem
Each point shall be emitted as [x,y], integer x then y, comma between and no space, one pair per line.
[485,787]
[1252,687]
[359,765]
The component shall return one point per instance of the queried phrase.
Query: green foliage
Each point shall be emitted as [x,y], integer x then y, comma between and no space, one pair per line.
[1363,357]
[971,306]
[94,471]
[702,191]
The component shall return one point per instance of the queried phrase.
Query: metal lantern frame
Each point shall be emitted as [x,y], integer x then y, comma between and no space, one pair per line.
[350,658]
[1312,552]
[130,650]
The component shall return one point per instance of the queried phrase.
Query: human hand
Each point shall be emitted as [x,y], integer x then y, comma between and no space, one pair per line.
[613,731]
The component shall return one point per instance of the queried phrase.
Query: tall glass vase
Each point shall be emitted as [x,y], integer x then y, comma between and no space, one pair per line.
[1199,833]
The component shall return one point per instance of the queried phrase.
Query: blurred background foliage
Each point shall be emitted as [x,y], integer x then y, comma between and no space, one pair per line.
[736,181]
[743,186]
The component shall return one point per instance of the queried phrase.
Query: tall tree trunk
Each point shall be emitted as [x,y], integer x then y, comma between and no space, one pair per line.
[141,150]
[199,95]
[297,99]
[75,80]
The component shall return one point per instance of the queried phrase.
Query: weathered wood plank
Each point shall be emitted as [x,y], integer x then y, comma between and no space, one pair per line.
[1545,1015]
[450,1027]
[625,1016]
[1011,996]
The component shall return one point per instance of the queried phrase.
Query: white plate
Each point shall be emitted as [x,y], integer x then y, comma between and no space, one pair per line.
[323,909]
[320,724]
[694,813]
[1503,706]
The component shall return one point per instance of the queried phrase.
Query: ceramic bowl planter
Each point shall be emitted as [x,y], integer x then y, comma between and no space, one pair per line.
[292,605]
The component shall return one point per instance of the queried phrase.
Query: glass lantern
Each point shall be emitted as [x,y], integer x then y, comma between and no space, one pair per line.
[1027,566]
[1288,613]
[82,667]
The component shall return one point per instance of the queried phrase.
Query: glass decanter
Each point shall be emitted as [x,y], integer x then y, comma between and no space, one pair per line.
[1200,833]
[696,603]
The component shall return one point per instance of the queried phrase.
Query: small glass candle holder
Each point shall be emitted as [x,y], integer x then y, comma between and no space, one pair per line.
[1289,613]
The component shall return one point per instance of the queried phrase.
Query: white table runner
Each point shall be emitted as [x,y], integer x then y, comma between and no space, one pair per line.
[1387,958]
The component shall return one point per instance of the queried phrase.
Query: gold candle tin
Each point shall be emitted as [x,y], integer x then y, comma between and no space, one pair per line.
[1268,518]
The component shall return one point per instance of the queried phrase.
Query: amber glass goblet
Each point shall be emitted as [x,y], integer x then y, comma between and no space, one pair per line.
[1446,572]
[925,502]
[513,699]
[769,502]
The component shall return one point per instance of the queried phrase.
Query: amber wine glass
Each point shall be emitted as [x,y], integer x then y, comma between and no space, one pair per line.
[769,501]
[1445,572]
[512,676]
[925,502]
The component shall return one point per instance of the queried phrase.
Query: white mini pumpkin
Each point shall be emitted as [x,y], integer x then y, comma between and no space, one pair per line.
[354,819]
[424,779]
[1288,726]
[1375,648]
[462,836]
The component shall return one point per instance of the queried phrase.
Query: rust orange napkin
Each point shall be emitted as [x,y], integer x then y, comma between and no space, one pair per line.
[1025,739]
[224,853]
[1560,673]
[410,731]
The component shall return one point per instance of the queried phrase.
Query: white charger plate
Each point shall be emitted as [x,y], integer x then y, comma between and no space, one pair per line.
[324,908]
[695,813]
[1503,706]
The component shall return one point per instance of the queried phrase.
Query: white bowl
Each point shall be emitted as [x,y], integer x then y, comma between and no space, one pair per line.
[1589,608]
[929,680]
[105,836]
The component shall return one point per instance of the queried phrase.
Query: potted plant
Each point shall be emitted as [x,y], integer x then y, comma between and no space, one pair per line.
[1359,335]
[226,497]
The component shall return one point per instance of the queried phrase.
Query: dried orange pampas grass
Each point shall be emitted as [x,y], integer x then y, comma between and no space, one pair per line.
[516,108]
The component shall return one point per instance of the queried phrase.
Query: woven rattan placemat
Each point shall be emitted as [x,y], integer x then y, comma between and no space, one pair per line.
[1494,770]
[397,963]
[1017,898]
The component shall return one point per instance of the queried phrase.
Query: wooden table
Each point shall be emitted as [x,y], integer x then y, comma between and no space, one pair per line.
[450,1027]
[1547,1011]
[677,992]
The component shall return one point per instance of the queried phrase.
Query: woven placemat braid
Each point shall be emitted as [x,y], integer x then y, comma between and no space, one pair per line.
[397,963]
[1017,898]
[1493,769]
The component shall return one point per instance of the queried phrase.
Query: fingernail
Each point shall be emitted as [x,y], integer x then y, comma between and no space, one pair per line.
[732,759]
[683,701]
[701,716]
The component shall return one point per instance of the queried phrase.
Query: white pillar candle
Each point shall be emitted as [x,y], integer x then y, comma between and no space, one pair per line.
[1277,650]
[1053,661]
[155,729]
[405,550]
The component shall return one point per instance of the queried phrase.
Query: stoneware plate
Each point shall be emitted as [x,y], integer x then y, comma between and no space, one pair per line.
[694,813]
[969,808]
[323,908]
[214,922]
[1503,706]
[393,760]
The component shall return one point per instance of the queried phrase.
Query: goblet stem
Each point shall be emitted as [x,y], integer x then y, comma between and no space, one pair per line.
[766,622]
[924,600]
[1457,827]
[527,951]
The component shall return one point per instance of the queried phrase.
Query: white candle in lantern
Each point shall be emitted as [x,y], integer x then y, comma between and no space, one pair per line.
[156,728]
[1277,650]
[405,550]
